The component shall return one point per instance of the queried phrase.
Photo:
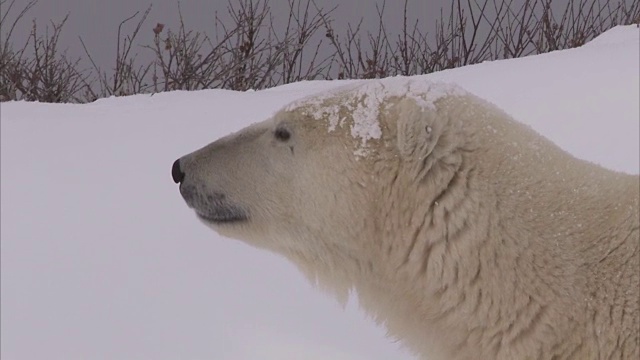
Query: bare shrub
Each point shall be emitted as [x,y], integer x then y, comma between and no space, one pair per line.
[241,58]
[247,53]
[42,74]
[181,62]
[301,27]
[581,21]
[11,62]
[126,78]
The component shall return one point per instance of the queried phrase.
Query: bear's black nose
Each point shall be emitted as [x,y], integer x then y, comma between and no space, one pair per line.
[176,172]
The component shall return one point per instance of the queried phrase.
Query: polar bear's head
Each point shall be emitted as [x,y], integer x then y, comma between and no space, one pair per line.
[310,182]
[287,184]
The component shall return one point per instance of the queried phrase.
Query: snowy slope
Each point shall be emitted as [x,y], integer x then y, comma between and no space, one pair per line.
[101,259]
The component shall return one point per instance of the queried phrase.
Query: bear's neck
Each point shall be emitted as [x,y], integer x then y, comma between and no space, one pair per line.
[431,289]
[431,267]
[463,269]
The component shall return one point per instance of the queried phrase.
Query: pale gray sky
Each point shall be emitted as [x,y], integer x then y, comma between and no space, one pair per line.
[97,20]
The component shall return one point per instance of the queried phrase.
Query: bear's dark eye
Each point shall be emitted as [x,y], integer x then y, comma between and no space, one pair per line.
[282,134]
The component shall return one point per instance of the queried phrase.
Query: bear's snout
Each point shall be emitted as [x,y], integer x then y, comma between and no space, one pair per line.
[210,205]
[176,172]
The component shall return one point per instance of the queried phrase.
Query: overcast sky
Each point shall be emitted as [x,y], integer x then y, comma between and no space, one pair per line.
[97,20]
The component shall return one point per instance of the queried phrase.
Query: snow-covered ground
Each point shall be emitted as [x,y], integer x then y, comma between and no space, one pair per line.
[101,258]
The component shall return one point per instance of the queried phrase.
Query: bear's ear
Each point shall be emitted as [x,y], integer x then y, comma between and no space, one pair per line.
[416,129]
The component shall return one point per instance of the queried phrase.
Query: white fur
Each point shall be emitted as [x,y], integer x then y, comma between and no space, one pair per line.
[467,234]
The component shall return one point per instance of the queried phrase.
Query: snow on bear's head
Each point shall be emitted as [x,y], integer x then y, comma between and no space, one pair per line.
[306,183]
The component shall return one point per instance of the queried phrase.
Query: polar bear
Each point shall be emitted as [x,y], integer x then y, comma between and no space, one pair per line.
[465,233]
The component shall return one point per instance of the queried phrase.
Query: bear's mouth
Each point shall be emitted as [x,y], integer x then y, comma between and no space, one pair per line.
[214,207]
[223,216]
